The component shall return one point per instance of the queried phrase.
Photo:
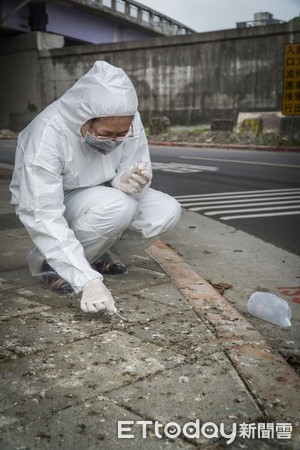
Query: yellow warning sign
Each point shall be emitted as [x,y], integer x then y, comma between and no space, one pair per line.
[291,80]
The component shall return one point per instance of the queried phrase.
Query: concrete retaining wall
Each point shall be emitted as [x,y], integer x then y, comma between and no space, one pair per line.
[190,79]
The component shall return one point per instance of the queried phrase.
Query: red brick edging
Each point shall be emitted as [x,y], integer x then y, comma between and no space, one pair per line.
[272,383]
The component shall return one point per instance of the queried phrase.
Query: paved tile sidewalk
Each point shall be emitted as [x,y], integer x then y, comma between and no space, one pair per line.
[69,377]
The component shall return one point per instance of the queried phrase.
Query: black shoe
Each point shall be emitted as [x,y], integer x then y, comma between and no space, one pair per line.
[107,266]
[54,281]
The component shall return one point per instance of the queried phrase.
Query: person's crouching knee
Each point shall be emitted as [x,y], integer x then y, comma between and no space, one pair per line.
[174,212]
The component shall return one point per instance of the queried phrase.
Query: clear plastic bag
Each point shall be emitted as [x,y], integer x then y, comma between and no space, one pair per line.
[35,261]
[271,308]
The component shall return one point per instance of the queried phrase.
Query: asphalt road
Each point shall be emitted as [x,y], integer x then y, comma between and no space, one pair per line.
[255,191]
[7,151]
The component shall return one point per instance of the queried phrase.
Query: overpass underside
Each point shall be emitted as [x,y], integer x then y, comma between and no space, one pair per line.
[87,21]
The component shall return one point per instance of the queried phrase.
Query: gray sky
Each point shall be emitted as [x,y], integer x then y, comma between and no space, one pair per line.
[210,15]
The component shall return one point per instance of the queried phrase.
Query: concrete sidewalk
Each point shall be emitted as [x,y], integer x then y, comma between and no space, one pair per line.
[187,354]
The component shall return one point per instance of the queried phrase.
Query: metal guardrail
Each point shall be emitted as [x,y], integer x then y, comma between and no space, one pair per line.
[141,15]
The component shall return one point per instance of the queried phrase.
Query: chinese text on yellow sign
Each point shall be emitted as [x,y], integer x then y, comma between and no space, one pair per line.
[291,80]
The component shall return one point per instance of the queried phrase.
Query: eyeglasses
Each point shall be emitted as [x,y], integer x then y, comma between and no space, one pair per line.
[129,134]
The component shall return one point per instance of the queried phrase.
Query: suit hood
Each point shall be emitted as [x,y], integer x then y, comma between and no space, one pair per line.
[105,91]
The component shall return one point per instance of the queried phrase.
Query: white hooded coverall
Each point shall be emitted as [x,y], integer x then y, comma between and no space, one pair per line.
[66,194]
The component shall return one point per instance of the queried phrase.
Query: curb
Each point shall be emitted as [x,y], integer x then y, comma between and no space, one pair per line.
[272,383]
[273,148]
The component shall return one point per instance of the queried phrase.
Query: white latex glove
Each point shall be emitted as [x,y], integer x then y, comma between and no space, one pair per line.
[96,297]
[135,179]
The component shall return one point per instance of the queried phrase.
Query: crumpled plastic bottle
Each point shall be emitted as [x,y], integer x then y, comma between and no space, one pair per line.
[271,308]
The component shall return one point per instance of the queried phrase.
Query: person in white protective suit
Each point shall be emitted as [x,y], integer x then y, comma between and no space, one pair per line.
[81,186]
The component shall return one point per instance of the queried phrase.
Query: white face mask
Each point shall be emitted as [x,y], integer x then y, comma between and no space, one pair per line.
[103,146]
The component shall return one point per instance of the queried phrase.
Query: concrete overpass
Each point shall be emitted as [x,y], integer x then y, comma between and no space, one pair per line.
[87,21]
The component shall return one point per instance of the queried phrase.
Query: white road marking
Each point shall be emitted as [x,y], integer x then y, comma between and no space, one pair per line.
[214,213]
[237,161]
[256,202]
[238,194]
[204,202]
[253,216]
[205,208]
[6,166]
[182,168]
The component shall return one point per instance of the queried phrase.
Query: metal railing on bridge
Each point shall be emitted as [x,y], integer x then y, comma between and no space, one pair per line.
[140,15]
